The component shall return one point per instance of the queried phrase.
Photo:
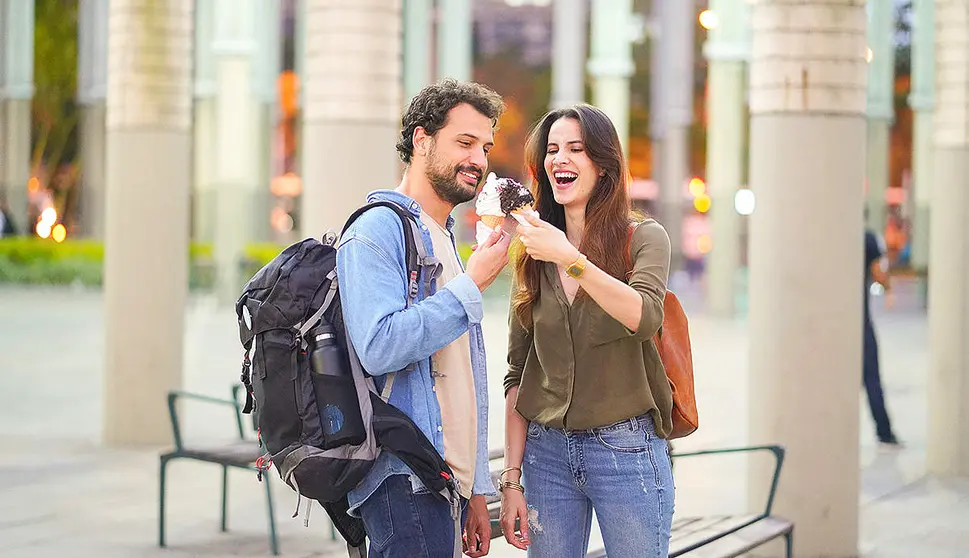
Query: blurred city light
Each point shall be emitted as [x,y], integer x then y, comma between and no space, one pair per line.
[704,243]
[744,201]
[42,229]
[59,233]
[697,186]
[869,55]
[49,216]
[708,19]
[702,203]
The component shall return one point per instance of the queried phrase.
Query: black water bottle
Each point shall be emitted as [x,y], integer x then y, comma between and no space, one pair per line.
[336,394]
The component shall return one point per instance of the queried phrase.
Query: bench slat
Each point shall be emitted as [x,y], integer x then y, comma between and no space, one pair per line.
[700,529]
[742,541]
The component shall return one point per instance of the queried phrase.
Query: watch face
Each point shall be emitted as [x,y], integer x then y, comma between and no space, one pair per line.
[574,270]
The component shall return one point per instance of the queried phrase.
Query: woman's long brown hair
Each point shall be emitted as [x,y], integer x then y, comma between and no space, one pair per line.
[605,241]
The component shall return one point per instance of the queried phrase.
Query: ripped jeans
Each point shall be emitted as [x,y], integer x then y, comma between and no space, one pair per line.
[621,471]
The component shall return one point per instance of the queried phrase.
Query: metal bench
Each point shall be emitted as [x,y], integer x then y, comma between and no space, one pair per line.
[720,536]
[240,454]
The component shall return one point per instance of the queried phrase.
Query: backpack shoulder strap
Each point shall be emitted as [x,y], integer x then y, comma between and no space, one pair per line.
[418,261]
[416,253]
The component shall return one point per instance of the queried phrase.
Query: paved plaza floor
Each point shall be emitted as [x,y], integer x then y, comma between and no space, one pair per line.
[64,495]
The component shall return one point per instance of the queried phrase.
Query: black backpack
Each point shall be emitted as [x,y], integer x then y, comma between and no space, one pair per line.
[285,300]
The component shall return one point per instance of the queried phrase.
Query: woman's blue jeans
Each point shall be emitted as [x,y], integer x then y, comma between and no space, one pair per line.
[621,471]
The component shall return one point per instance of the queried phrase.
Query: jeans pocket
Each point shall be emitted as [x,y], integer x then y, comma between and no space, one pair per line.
[624,440]
[376,516]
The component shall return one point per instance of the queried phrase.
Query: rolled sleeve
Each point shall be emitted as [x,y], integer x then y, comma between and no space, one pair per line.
[467,293]
[650,248]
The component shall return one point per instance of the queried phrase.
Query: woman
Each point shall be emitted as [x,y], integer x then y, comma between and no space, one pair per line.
[587,401]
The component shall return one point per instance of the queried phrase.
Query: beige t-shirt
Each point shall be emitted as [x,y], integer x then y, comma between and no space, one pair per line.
[454,383]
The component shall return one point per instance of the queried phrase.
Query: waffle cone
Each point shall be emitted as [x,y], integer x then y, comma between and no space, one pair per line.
[527,208]
[492,221]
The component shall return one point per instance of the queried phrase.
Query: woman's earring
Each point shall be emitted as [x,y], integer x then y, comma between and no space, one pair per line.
[602,173]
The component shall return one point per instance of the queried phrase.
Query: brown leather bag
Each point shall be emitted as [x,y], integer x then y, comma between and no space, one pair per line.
[673,344]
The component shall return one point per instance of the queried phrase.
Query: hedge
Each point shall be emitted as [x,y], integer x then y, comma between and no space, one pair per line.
[35,261]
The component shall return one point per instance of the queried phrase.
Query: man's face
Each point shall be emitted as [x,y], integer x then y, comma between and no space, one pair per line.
[457,157]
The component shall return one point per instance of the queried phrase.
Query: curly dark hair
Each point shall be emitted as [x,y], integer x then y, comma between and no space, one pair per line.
[429,109]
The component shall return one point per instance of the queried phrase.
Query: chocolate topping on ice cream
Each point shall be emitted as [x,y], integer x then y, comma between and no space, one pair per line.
[514,196]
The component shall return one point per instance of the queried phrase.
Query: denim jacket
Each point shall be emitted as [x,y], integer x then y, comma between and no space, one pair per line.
[373,292]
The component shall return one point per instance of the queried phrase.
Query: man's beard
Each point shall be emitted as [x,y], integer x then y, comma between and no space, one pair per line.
[444,179]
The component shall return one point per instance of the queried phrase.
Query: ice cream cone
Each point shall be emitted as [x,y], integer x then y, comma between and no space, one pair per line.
[492,221]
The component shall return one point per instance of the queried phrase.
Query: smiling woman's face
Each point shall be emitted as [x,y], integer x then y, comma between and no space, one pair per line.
[570,171]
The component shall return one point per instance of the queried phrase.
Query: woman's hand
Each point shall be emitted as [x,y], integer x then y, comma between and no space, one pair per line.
[545,242]
[513,508]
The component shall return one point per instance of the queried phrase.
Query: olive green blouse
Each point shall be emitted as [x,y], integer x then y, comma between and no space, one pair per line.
[578,367]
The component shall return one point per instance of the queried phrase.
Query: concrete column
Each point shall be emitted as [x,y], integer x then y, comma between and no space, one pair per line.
[611,61]
[727,48]
[236,156]
[455,37]
[353,100]
[569,32]
[922,100]
[16,91]
[678,26]
[92,78]
[947,451]
[418,40]
[149,121]
[807,163]
[881,106]
[204,129]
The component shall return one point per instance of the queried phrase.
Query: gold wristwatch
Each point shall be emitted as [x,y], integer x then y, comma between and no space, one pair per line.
[576,269]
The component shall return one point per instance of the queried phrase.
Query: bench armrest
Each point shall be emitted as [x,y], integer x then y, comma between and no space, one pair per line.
[175,395]
[777,451]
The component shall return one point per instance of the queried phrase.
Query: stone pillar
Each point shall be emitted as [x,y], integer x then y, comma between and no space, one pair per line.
[922,100]
[236,156]
[807,163]
[569,32]
[947,448]
[16,91]
[611,61]
[353,98]
[678,25]
[455,37]
[417,46]
[881,107]
[204,132]
[727,48]
[92,78]
[149,149]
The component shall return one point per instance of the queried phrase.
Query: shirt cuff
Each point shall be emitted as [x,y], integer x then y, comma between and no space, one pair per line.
[466,291]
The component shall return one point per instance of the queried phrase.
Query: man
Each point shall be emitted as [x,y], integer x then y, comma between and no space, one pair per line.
[435,346]
[875,272]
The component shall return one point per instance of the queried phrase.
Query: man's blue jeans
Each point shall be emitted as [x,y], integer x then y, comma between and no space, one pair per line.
[622,471]
[402,524]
